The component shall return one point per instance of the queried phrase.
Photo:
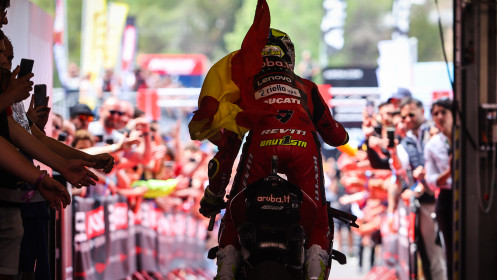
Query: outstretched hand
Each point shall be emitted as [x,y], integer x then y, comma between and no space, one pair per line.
[77,174]
[54,192]
[104,162]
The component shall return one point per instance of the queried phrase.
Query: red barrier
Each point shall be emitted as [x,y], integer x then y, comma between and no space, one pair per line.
[111,242]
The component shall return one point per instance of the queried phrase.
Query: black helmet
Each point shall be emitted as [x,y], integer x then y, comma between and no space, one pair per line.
[279,44]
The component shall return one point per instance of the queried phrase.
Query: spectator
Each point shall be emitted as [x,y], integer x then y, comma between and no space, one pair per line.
[12,163]
[128,114]
[412,111]
[83,140]
[57,123]
[377,143]
[35,216]
[71,83]
[308,68]
[140,81]
[73,77]
[438,154]
[105,129]
[334,191]
[81,116]
[88,92]
[68,131]
[399,96]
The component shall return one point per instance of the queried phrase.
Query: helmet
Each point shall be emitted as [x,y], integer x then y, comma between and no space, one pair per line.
[279,44]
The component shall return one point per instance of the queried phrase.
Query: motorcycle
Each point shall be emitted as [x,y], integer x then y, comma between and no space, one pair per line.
[273,218]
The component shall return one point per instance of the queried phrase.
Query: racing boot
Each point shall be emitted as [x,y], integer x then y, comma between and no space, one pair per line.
[228,260]
[316,260]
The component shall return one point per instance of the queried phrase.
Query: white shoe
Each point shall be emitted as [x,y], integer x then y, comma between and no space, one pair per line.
[228,259]
[316,260]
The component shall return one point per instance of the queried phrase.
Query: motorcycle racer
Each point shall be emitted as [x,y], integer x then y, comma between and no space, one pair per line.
[283,114]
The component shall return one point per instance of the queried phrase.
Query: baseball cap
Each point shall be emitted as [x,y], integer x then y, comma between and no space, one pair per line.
[80,109]
[401,93]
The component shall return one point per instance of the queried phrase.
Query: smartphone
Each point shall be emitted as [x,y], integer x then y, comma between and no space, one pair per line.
[391,136]
[370,108]
[40,95]
[377,130]
[26,67]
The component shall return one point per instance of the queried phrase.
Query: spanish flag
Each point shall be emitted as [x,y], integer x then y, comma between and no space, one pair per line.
[226,99]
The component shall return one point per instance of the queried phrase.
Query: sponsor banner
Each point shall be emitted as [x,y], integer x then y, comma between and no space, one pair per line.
[112,242]
[146,222]
[277,89]
[147,101]
[285,141]
[281,100]
[181,242]
[130,39]
[119,220]
[174,64]
[439,94]
[60,40]
[116,20]
[333,23]
[90,247]
[350,76]
[93,37]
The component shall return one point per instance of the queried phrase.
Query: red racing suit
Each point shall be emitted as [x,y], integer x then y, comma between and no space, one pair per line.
[291,134]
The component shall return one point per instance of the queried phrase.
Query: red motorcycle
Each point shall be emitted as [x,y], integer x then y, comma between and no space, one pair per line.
[273,218]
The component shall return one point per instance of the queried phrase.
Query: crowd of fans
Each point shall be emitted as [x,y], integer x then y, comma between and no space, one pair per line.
[414,168]
[369,182]
[154,164]
[149,163]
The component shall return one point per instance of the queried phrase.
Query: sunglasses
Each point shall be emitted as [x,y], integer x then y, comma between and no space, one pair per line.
[410,115]
[85,118]
[113,112]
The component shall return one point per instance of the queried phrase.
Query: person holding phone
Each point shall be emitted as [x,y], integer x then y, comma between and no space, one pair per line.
[15,89]
[14,164]
[35,214]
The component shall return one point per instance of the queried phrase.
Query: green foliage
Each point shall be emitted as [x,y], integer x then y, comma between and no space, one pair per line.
[217,27]
[299,19]
[429,44]
[188,26]
[365,26]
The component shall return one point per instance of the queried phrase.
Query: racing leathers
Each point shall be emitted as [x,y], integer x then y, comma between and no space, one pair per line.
[290,134]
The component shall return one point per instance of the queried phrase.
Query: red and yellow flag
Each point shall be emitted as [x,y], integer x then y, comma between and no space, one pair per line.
[226,100]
